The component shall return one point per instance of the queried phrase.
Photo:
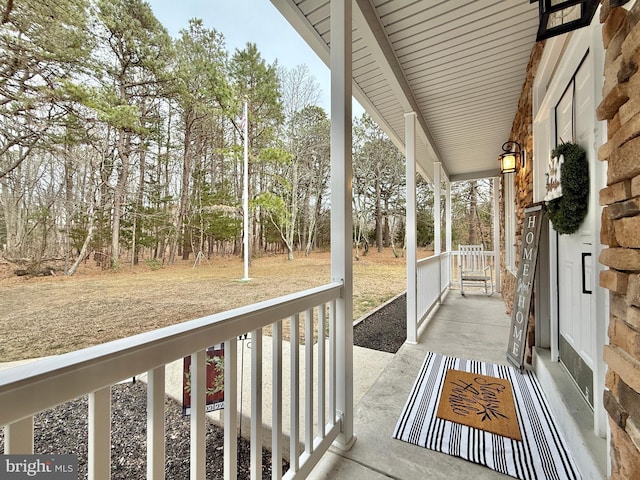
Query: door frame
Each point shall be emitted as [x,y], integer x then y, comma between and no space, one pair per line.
[560,60]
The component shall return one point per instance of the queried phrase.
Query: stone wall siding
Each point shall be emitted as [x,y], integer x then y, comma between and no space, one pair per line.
[620,231]
[521,132]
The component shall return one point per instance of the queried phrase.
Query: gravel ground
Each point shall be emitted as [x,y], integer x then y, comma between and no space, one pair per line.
[64,429]
[384,330]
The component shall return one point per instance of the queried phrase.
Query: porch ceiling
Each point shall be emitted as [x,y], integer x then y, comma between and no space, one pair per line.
[459,64]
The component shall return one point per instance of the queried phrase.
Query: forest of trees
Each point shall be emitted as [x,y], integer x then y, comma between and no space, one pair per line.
[120,143]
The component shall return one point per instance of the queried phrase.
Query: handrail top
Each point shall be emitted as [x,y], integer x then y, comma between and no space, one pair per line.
[432,258]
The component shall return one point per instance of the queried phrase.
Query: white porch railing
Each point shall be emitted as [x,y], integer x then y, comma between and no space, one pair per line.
[445,271]
[39,386]
[432,282]
[453,265]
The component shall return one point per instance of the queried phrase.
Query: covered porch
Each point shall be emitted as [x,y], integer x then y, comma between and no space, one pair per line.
[428,77]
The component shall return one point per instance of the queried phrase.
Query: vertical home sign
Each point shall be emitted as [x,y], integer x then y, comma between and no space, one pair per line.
[533,217]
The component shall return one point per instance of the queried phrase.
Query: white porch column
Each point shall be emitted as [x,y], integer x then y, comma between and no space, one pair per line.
[341,217]
[496,231]
[411,229]
[437,216]
[447,213]
[448,236]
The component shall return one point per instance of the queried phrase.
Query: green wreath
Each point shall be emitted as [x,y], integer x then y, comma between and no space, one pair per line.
[567,212]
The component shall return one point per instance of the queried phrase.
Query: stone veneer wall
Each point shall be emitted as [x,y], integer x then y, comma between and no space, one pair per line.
[521,132]
[621,233]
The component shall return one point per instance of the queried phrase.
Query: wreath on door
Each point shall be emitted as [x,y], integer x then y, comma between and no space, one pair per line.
[567,212]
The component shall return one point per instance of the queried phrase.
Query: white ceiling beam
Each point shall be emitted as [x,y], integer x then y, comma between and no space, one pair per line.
[494,172]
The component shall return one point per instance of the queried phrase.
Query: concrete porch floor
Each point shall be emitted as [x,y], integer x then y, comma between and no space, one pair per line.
[474,326]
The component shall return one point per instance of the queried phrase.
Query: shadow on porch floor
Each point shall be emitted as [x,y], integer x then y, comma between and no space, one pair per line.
[475,326]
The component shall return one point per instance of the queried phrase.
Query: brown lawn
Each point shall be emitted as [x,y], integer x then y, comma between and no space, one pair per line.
[53,315]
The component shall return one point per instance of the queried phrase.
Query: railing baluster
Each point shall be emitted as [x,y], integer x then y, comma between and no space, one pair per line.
[18,437]
[308,368]
[231,409]
[294,461]
[332,362]
[256,404]
[155,424]
[321,368]
[100,434]
[276,403]
[198,414]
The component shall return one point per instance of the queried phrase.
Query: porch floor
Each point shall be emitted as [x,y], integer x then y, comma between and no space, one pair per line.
[474,326]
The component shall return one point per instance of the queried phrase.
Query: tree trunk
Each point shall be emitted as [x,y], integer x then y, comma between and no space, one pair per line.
[137,229]
[68,182]
[124,149]
[473,212]
[290,228]
[387,229]
[83,250]
[379,219]
[187,162]
[13,215]
[163,173]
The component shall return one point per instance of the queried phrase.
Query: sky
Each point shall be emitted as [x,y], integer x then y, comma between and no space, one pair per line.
[242,21]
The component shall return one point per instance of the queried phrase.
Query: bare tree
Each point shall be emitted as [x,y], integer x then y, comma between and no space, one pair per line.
[378,178]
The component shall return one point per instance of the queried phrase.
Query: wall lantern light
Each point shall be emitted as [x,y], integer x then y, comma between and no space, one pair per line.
[562,16]
[512,158]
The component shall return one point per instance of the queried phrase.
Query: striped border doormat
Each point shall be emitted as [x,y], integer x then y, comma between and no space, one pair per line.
[541,453]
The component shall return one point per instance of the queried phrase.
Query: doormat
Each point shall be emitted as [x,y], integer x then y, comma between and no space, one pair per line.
[479,401]
[541,452]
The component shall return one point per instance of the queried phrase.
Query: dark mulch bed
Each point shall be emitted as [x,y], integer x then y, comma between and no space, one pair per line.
[64,428]
[385,329]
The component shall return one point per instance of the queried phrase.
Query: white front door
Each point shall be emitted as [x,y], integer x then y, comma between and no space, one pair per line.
[575,123]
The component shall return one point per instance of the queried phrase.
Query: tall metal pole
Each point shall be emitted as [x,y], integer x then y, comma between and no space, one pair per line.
[245,191]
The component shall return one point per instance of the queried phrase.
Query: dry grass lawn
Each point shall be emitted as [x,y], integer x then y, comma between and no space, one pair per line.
[53,315]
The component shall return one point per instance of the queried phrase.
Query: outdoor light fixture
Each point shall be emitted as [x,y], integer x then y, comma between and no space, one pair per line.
[512,158]
[562,16]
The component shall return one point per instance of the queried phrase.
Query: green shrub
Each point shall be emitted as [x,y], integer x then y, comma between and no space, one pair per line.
[153,263]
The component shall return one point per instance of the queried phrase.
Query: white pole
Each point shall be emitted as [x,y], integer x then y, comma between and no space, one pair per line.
[411,228]
[496,232]
[447,210]
[437,208]
[341,216]
[245,191]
